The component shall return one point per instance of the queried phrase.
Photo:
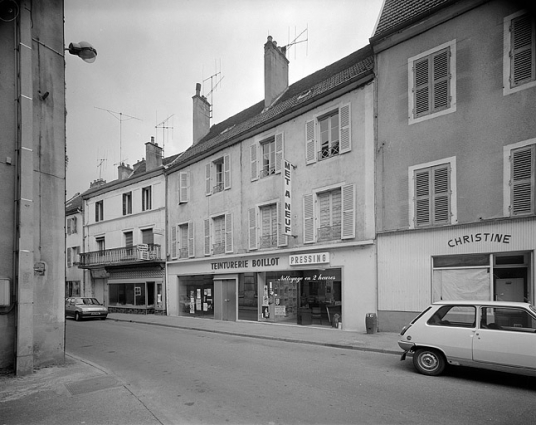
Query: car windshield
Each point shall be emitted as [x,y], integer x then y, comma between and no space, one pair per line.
[88,301]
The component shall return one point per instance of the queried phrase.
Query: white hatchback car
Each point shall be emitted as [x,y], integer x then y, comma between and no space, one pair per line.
[485,334]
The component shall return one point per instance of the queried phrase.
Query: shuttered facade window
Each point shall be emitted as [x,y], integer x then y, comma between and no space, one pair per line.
[522,50]
[432,196]
[431,83]
[218,234]
[218,175]
[522,180]
[266,157]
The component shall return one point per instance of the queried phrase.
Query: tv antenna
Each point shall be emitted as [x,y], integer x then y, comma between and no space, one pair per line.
[121,117]
[215,80]
[163,125]
[100,162]
[297,39]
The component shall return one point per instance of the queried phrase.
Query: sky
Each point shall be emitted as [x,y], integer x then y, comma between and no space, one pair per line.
[151,54]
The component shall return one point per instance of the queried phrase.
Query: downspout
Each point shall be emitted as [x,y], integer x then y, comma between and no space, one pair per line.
[24,255]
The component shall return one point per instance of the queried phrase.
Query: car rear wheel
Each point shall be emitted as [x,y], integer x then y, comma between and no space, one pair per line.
[77,316]
[429,362]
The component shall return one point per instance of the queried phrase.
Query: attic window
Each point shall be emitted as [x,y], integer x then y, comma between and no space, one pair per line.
[307,93]
[227,129]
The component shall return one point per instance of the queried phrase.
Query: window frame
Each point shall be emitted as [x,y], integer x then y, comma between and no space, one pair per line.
[99,211]
[146,198]
[508,88]
[227,230]
[451,163]
[256,156]
[211,174]
[255,226]
[127,203]
[508,184]
[450,46]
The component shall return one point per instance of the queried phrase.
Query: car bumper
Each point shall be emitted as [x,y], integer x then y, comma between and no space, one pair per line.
[93,314]
[406,345]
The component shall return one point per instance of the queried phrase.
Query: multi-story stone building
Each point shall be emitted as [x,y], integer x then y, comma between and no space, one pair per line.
[271,212]
[455,154]
[124,249]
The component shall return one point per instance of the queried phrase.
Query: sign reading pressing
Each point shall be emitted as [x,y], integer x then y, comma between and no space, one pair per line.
[316,258]
[287,189]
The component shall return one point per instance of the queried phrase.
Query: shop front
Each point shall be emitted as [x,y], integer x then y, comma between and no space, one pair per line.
[310,289]
[487,261]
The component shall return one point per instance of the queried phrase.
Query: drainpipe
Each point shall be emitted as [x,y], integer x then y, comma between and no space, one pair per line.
[24,255]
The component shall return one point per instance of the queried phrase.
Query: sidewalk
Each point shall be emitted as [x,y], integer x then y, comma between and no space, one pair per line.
[82,392]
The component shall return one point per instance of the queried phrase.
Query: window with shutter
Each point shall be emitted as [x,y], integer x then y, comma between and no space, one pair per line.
[184,187]
[252,225]
[523,180]
[173,247]
[183,240]
[432,83]
[432,193]
[522,50]
[308,219]
[208,249]
[191,240]
[268,217]
[228,233]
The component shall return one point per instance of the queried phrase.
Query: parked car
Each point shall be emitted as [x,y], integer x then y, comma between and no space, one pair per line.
[485,334]
[85,307]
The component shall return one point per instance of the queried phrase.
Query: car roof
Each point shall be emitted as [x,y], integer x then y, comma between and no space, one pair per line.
[490,303]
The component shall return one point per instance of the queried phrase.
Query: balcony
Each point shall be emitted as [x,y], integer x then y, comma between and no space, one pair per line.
[329,233]
[268,241]
[118,256]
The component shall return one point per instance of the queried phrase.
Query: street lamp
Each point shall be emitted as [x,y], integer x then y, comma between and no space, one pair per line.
[83,50]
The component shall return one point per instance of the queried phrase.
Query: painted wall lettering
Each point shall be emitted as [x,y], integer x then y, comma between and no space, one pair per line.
[287,191]
[480,237]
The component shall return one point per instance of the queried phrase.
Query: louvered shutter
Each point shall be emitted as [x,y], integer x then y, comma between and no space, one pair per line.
[348,212]
[207,237]
[184,186]
[68,226]
[208,184]
[310,148]
[522,53]
[191,246]
[441,84]
[422,197]
[421,87]
[253,162]
[252,226]
[441,196]
[278,152]
[523,180]
[282,240]
[69,256]
[308,219]
[228,233]
[344,128]
[173,247]
[74,225]
[227,172]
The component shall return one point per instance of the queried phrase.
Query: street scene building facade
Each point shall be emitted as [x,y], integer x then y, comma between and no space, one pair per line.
[455,154]
[271,212]
[74,222]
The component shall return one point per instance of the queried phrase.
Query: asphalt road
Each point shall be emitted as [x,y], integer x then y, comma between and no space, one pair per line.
[197,377]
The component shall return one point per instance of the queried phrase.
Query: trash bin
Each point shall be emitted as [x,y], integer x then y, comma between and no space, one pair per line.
[371,323]
[304,316]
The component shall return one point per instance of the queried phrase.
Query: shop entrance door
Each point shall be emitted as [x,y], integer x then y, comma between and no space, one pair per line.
[228,300]
[510,289]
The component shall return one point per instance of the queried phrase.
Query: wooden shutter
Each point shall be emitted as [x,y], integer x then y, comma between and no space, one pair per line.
[441,83]
[278,152]
[252,226]
[421,87]
[308,219]
[348,212]
[207,237]
[184,186]
[68,226]
[69,256]
[522,50]
[74,226]
[253,162]
[227,172]
[310,145]
[228,233]
[441,204]
[208,183]
[191,246]
[282,240]
[522,180]
[345,136]
[173,247]
[422,198]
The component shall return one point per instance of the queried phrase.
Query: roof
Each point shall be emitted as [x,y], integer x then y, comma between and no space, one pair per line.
[484,303]
[74,204]
[343,72]
[397,13]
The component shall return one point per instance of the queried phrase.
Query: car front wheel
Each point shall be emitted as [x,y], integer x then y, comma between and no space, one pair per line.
[77,316]
[429,362]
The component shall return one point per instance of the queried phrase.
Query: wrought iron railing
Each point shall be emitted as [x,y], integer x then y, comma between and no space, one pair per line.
[329,233]
[218,248]
[328,152]
[268,241]
[217,188]
[120,255]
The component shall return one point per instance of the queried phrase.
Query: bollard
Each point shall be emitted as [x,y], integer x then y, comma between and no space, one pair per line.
[371,323]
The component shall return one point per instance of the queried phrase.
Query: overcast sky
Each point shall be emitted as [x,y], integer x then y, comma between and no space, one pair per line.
[151,54]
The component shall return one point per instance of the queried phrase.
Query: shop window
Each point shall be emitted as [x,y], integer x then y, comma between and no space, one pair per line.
[127,203]
[519,69]
[146,198]
[128,295]
[329,215]
[219,234]
[328,135]
[432,89]
[218,175]
[196,296]
[270,152]
[99,211]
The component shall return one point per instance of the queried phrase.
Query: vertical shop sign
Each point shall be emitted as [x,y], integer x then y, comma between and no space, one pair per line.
[287,209]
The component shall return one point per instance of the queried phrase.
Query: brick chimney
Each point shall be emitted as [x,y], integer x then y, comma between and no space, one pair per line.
[275,72]
[201,115]
[153,155]
[123,171]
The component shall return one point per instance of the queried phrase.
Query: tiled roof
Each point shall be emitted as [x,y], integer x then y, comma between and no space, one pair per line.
[395,13]
[351,68]
[73,204]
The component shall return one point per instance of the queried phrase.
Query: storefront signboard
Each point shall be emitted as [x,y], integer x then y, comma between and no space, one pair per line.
[287,189]
[304,259]
[480,237]
[244,264]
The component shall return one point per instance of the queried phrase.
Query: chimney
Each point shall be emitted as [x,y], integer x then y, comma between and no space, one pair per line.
[275,72]
[97,182]
[123,171]
[153,155]
[201,115]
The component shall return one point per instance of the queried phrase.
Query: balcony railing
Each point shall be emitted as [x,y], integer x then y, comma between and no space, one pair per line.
[329,233]
[328,152]
[218,248]
[268,241]
[217,188]
[124,254]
